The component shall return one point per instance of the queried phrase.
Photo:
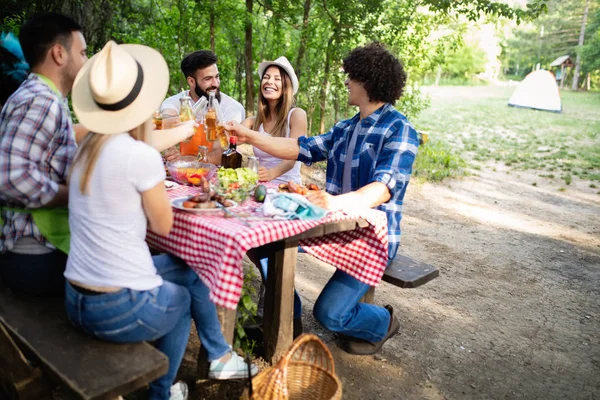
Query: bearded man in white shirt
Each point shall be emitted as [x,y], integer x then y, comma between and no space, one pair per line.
[202,75]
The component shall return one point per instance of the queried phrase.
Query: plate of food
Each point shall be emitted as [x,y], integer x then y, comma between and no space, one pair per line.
[202,203]
[292,187]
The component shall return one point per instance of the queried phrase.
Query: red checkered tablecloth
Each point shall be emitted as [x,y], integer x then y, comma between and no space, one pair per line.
[214,246]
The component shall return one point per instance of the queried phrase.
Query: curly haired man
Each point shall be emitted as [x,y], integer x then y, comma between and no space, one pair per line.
[369,163]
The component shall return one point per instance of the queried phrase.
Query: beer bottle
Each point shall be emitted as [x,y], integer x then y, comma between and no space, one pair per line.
[231,158]
[185,108]
[211,118]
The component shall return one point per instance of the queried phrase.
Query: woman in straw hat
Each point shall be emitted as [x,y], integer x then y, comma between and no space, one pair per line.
[115,289]
[277,116]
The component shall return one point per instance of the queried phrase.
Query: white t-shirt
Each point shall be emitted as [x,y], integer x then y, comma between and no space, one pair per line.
[108,225]
[230,109]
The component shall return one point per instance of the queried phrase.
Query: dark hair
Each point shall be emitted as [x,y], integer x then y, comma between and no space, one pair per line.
[197,60]
[378,70]
[42,32]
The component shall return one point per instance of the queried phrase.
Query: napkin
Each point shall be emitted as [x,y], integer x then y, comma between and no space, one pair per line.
[290,206]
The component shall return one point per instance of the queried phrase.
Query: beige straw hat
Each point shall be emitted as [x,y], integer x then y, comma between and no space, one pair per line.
[283,63]
[119,88]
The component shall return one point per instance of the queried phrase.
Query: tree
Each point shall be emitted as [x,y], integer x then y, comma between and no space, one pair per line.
[580,44]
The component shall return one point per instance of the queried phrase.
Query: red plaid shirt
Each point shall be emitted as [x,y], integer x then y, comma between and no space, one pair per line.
[37,147]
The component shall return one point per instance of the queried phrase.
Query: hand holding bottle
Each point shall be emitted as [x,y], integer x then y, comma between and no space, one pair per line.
[237,129]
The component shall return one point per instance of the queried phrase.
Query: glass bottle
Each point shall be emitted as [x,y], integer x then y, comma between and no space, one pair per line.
[203,154]
[231,158]
[185,108]
[189,147]
[157,120]
[211,118]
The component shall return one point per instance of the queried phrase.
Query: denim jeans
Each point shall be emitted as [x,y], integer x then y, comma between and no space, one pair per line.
[204,311]
[128,316]
[33,274]
[338,307]
[163,314]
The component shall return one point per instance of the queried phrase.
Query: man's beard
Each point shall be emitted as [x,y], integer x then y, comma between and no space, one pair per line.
[201,93]
[68,78]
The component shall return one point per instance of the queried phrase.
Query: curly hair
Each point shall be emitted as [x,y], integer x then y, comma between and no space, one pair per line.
[378,70]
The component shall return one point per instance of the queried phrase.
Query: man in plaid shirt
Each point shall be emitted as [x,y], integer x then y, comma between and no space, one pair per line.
[369,163]
[37,147]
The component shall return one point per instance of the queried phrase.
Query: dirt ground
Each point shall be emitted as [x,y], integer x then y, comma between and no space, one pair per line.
[515,312]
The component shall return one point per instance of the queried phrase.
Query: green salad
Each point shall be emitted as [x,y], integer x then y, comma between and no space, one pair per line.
[236,184]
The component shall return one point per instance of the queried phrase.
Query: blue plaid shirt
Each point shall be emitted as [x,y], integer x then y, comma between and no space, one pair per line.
[385,150]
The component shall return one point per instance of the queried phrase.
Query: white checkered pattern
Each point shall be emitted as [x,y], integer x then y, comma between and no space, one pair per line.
[214,246]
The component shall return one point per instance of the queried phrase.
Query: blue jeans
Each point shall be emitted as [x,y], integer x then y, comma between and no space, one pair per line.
[128,316]
[162,314]
[204,311]
[338,307]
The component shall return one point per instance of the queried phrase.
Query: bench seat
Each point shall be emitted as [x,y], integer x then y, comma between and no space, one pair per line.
[408,273]
[86,367]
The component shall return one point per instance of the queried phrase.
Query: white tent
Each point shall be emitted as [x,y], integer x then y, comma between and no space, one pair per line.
[538,91]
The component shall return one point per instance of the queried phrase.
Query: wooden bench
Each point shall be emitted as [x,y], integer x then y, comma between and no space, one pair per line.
[38,344]
[406,273]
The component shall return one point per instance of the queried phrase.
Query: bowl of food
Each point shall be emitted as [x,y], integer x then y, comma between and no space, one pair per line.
[186,170]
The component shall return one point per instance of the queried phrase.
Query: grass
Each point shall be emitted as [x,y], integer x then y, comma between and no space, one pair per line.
[436,161]
[470,126]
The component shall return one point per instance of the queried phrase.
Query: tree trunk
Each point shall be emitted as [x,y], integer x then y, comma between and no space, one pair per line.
[438,75]
[303,38]
[239,71]
[325,83]
[336,107]
[212,25]
[249,61]
[588,82]
[575,85]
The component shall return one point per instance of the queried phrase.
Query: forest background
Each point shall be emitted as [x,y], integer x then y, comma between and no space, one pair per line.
[439,41]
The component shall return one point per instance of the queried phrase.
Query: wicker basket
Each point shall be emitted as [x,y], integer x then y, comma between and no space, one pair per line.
[305,372]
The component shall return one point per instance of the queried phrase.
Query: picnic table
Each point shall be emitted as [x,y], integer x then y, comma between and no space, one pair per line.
[214,246]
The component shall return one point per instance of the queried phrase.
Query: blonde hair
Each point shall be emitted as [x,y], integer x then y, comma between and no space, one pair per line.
[91,147]
[284,105]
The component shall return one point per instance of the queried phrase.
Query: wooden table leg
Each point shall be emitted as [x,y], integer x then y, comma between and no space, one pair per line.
[227,319]
[279,300]
[369,297]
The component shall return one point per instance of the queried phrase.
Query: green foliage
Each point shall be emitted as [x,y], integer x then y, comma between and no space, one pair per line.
[437,161]
[553,35]
[591,49]
[246,311]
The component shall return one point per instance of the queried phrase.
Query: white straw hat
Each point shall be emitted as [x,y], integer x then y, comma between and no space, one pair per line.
[283,63]
[119,88]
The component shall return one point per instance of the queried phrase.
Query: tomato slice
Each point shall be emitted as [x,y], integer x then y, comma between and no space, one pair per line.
[234,185]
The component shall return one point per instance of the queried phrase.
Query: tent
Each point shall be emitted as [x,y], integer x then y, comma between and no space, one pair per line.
[538,91]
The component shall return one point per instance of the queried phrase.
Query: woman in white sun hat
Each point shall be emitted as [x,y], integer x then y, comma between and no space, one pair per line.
[115,289]
[277,116]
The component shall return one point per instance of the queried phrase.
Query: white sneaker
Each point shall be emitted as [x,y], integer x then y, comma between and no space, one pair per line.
[179,391]
[234,368]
